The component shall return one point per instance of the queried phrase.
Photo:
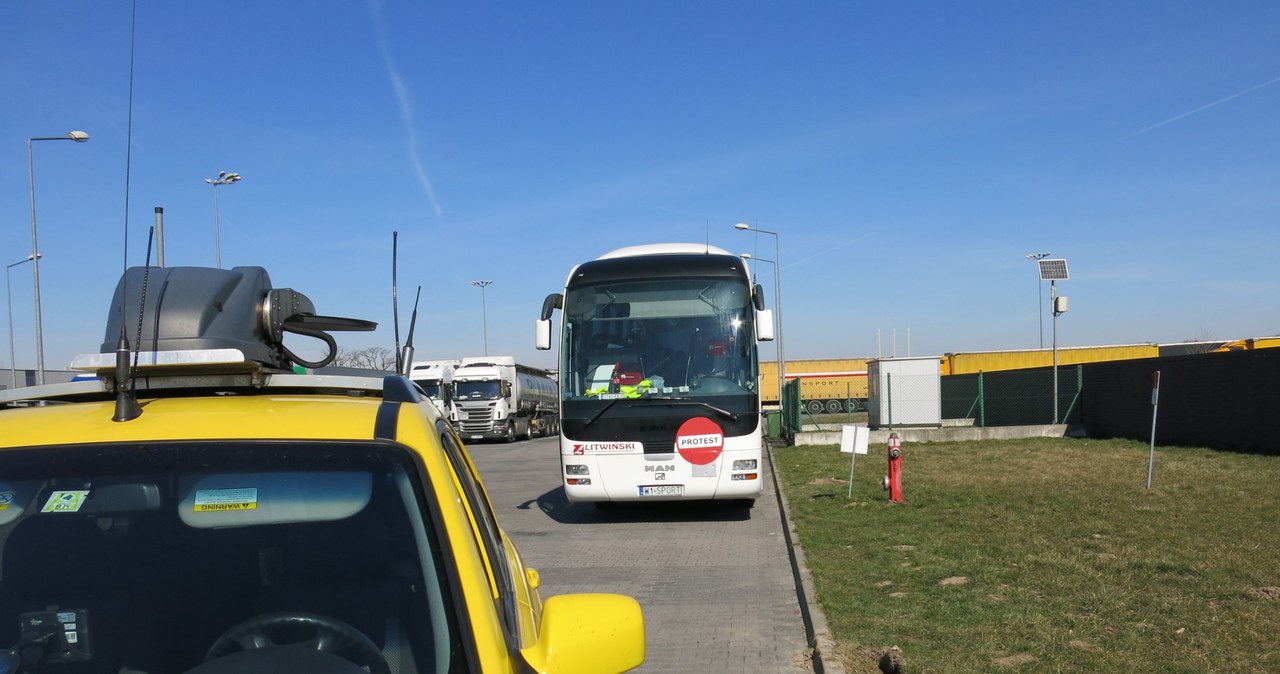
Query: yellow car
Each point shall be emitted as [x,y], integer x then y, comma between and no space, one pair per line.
[208,506]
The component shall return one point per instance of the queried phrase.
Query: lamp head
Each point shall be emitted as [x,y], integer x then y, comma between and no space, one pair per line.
[78,136]
[742,225]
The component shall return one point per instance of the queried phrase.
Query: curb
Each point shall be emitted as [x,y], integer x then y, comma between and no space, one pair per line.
[816,630]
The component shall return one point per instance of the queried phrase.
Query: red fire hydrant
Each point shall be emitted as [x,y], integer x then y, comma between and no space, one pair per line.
[893,481]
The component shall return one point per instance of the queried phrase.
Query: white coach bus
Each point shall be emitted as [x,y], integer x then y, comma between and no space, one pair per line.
[659,375]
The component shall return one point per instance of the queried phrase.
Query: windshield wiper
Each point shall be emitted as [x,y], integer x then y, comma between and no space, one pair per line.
[681,402]
[666,401]
[604,409]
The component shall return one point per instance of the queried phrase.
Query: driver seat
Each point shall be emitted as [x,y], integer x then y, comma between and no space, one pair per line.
[627,373]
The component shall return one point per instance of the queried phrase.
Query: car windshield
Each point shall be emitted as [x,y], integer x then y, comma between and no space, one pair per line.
[158,557]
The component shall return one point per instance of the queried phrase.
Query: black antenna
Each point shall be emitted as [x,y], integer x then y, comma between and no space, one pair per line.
[128,145]
[127,407]
[395,300]
[407,364]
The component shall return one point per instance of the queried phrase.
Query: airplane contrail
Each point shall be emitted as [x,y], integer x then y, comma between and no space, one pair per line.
[406,110]
[1175,118]
[820,253]
[1202,108]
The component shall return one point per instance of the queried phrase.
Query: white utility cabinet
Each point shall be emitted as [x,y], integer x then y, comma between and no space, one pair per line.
[904,392]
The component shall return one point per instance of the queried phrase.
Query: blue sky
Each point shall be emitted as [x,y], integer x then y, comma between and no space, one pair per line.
[909,154]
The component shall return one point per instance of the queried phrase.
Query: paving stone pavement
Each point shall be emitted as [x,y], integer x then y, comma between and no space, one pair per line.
[715,581]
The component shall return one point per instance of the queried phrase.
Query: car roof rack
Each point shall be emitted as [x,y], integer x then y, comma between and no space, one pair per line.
[185,372]
[204,329]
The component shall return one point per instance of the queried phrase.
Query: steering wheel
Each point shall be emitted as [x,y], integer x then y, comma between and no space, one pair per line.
[716,384]
[308,629]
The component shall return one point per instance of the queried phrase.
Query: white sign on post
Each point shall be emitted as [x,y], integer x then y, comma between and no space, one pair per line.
[853,439]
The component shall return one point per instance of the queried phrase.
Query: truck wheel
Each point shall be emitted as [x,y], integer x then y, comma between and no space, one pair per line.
[511,432]
[834,407]
[814,406]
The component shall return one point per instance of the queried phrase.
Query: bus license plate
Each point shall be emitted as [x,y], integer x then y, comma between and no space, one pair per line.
[662,490]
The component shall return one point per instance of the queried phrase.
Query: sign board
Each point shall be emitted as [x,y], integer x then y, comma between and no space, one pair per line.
[700,441]
[853,439]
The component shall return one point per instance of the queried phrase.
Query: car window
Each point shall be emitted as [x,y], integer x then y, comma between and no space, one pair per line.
[157,557]
[489,533]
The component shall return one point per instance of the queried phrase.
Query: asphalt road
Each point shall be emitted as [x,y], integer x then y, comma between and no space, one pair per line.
[715,581]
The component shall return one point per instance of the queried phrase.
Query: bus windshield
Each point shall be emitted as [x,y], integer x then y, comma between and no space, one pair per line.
[659,338]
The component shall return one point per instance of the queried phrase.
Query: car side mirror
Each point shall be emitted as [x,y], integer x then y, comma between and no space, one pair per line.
[588,633]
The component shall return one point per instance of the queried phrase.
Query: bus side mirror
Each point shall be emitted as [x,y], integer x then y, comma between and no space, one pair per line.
[757,297]
[764,325]
[542,335]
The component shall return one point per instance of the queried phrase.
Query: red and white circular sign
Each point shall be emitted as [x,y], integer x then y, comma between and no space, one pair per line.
[700,440]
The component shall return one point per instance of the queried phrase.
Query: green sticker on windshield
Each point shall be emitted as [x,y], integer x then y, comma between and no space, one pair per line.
[65,501]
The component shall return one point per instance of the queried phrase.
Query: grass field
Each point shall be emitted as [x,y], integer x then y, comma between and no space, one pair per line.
[1044,555]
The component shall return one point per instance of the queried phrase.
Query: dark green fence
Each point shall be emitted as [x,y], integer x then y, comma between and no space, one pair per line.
[792,410]
[1013,397]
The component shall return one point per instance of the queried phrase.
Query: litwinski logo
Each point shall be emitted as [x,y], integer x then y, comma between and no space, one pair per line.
[581,449]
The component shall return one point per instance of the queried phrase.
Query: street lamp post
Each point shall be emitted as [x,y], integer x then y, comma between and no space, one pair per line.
[1036,257]
[8,294]
[79,137]
[484,312]
[777,289]
[223,178]
[776,318]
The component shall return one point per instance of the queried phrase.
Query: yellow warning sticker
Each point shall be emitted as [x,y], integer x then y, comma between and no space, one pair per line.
[222,500]
[65,501]
[6,499]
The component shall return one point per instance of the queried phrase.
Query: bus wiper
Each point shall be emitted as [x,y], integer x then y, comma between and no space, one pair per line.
[600,413]
[601,307]
[681,402]
[669,402]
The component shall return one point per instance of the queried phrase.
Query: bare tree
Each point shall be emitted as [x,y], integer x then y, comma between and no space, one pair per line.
[1202,342]
[372,358]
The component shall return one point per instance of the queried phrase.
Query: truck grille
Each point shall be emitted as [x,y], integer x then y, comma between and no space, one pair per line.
[476,420]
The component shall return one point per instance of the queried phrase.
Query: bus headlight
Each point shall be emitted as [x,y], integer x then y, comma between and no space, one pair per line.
[744,464]
[576,469]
